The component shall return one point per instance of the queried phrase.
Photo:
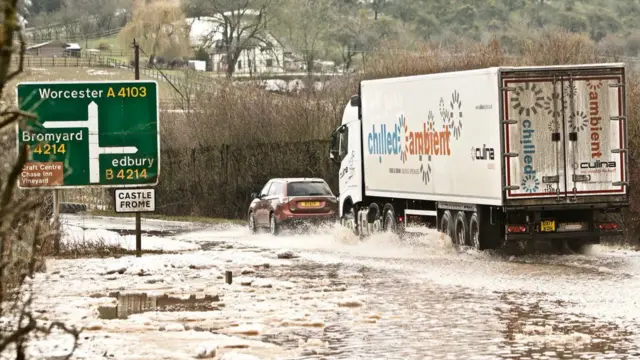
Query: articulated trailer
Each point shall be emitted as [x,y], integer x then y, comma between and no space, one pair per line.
[487,156]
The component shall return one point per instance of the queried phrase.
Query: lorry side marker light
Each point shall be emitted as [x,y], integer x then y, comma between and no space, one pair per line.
[608,226]
[516,228]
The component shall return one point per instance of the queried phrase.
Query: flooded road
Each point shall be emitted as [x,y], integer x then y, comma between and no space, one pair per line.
[434,302]
[329,295]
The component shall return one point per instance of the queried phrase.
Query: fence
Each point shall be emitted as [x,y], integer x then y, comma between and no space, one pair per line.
[30,61]
[218,181]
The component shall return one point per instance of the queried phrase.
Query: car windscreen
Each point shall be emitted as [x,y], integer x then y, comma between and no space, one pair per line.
[308,188]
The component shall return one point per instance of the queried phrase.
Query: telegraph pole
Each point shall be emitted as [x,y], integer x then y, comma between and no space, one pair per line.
[136,64]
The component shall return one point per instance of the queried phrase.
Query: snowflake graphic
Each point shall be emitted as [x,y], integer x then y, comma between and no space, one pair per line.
[431,123]
[530,184]
[570,92]
[402,123]
[594,85]
[456,114]
[425,169]
[554,125]
[578,121]
[445,114]
[527,99]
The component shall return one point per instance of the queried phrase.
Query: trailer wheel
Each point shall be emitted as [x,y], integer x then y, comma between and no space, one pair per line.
[446,225]
[578,246]
[461,229]
[389,219]
[474,232]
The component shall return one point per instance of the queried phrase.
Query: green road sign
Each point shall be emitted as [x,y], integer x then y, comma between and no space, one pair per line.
[96,133]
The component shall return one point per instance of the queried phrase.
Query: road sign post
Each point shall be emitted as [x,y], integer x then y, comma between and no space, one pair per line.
[136,201]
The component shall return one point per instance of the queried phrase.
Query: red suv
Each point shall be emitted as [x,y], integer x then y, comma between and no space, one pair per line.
[292,201]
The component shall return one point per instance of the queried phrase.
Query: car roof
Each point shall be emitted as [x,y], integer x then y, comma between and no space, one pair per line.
[299,179]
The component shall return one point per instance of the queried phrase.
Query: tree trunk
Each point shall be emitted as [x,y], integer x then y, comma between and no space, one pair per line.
[151,58]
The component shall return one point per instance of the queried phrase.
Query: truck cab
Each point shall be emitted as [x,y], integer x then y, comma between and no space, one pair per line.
[345,150]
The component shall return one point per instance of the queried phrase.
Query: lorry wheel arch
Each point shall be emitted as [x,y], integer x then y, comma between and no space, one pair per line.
[347,205]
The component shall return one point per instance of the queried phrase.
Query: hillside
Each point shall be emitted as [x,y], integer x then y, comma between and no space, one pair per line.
[347,32]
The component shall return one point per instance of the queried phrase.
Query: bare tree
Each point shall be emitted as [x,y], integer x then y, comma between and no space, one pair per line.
[159,27]
[236,25]
[307,24]
[378,6]
[23,233]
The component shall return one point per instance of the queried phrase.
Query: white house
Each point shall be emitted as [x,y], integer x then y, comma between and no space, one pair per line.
[260,56]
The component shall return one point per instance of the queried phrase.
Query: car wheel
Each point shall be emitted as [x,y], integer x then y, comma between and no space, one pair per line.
[274,229]
[252,223]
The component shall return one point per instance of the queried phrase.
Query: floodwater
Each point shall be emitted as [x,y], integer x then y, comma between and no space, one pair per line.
[328,295]
[430,301]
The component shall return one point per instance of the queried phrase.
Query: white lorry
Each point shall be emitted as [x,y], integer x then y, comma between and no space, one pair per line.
[487,156]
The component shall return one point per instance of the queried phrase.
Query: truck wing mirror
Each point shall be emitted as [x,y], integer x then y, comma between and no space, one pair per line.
[355,101]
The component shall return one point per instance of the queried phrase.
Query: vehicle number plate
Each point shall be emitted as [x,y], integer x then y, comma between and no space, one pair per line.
[310,203]
[548,226]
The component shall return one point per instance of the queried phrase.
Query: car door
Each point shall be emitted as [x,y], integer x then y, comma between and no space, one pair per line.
[272,198]
[261,213]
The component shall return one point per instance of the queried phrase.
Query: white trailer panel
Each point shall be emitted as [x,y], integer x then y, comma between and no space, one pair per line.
[434,137]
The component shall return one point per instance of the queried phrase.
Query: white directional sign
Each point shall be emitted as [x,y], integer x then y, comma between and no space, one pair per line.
[94,145]
[135,200]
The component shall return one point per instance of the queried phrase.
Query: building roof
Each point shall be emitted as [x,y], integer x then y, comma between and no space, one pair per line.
[210,28]
[67,46]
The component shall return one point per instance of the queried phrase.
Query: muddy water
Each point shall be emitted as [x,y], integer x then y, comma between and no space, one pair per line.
[427,300]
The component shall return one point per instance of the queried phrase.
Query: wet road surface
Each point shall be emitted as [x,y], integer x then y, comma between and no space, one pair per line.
[428,301]
[332,296]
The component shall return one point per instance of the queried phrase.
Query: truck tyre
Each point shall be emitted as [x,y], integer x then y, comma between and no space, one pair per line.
[389,223]
[274,228]
[578,246]
[349,220]
[461,229]
[446,225]
[474,232]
